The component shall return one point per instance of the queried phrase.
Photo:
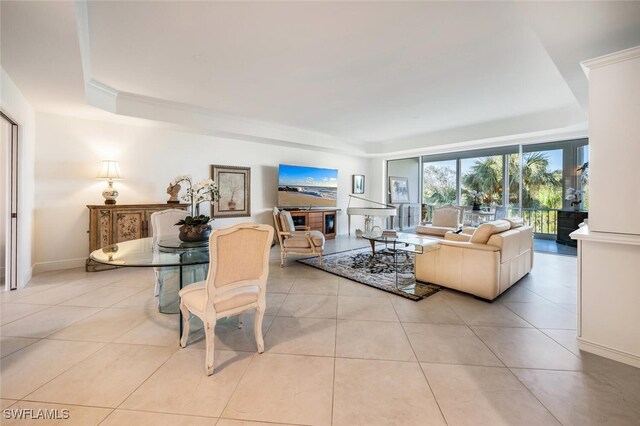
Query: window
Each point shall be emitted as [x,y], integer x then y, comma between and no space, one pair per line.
[485,175]
[439,183]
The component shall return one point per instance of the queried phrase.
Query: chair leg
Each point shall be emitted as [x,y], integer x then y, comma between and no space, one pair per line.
[186,323]
[240,321]
[209,333]
[282,256]
[257,329]
[320,258]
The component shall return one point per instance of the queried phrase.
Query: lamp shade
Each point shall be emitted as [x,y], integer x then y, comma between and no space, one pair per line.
[109,170]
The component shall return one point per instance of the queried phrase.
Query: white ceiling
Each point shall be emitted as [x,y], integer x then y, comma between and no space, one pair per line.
[369,77]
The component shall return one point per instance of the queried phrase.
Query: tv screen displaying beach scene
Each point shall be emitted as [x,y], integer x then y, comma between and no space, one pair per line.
[300,186]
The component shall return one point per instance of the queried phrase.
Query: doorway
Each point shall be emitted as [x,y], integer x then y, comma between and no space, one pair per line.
[8,202]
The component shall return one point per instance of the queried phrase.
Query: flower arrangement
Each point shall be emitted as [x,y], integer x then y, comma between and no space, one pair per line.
[575,196]
[476,196]
[196,226]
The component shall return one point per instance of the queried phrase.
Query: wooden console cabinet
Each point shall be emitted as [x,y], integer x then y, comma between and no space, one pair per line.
[324,221]
[568,221]
[114,223]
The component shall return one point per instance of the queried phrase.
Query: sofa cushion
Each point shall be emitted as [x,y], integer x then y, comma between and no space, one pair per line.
[486,230]
[447,217]
[300,240]
[433,230]
[286,221]
[515,222]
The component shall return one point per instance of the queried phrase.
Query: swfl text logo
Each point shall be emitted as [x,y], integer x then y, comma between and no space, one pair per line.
[36,414]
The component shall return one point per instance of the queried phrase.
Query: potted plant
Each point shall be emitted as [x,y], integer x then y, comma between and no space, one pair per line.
[575,196]
[196,227]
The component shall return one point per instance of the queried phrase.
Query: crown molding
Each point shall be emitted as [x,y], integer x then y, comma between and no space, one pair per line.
[609,59]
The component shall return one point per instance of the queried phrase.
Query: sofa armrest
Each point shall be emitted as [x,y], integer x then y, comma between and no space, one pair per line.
[469,246]
[452,236]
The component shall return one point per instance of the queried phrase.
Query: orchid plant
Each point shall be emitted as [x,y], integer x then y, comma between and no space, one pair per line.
[476,196]
[196,194]
[574,195]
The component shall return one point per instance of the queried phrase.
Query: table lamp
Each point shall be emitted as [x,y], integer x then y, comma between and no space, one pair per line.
[110,170]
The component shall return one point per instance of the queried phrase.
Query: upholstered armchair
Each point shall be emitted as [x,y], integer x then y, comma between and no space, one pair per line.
[237,280]
[445,219]
[298,240]
[163,224]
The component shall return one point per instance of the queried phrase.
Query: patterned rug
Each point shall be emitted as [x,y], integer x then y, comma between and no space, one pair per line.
[375,271]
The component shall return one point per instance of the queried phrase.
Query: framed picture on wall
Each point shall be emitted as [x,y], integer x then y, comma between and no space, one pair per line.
[398,190]
[357,184]
[234,184]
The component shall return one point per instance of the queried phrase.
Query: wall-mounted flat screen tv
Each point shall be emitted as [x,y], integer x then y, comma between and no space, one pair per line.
[300,186]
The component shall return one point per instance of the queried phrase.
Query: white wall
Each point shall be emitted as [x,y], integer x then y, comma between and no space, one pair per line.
[15,105]
[69,150]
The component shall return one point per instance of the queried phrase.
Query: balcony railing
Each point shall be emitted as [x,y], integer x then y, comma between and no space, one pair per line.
[543,220]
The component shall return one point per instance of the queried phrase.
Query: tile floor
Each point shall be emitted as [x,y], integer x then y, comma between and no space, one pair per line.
[337,353]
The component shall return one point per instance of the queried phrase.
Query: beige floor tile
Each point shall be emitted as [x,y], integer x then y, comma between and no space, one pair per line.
[13,311]
[432,310]
[103,297]
[27,369]
[478,312]
[156,329]
[274,301]
[302,336]
[566,338]
[181,385]
[143,300]
[59,294]
[449,344]
[625,377]
[518,293]
[104,326]
[571,307]
[544,315]
[527,348]
[232,422]
[324,286]
[359,385]
[279,285]
[6,403]
[284,389]
[308,305]
[139,418]
[9,345]
[578,398]
[63,414]
[352,288]
[366,308]
[107,377]
[373,340]
[471,395]
[46,322]
[228,336]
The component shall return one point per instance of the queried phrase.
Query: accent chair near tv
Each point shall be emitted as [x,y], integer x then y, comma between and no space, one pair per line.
[296,239]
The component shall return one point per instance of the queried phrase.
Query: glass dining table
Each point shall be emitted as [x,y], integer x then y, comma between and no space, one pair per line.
[163,252]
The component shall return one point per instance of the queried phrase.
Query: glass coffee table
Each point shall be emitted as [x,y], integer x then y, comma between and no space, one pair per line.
[402,243]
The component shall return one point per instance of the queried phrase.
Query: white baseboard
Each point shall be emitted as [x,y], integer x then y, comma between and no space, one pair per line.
[58,265]
[608,352]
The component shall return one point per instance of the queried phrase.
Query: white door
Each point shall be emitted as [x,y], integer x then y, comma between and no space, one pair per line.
[8,202]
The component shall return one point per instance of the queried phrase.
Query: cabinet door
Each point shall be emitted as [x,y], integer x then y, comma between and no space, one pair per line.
[316,221]
[127,225]
[102,230]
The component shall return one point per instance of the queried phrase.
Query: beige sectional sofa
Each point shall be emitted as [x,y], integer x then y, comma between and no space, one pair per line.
[484,262]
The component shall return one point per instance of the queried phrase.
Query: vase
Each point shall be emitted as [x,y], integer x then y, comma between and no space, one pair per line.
[476,207]
[576,207]
[232,205]
[194,233]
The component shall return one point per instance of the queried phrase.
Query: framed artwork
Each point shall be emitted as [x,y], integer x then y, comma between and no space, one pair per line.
[234,184]
[398,190]
[357,184]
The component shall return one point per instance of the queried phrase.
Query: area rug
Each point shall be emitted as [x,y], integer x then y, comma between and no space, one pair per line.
[376,271]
